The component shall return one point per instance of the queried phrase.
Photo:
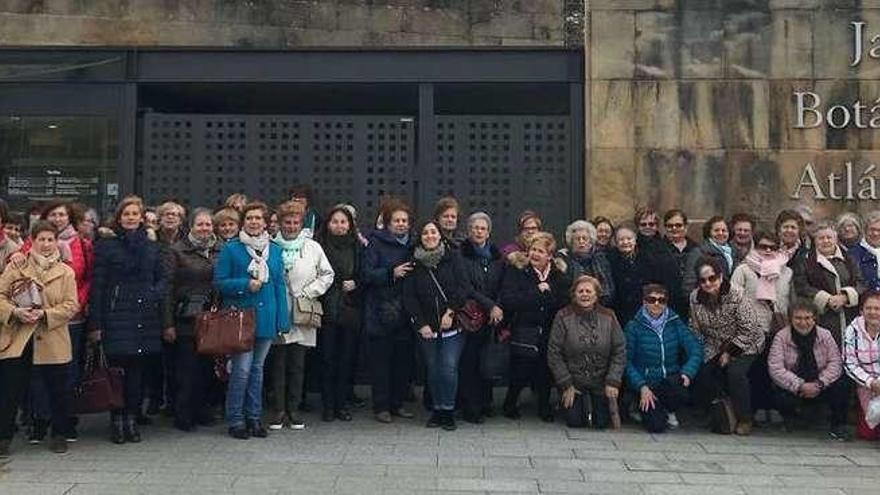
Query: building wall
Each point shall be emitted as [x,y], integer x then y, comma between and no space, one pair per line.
[692,103]
[284,23]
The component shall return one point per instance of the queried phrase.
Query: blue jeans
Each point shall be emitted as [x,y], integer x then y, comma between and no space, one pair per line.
[441,361]
[244,397]
[39,389]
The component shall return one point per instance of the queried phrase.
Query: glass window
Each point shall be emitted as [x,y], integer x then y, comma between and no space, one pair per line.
[46,157]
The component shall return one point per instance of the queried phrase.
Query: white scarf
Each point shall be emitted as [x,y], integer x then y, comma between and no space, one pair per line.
[258,268]
[874,252]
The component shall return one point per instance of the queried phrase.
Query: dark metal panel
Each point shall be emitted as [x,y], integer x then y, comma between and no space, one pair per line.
[60,99]
[127,126]
[578,152]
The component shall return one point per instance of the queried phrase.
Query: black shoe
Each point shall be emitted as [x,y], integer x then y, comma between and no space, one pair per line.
[58,445]
[475,418]
[357,402]
[327,416]
[343,415]
[546,416]
[435,421]
[402,413]
[131,430]
[511,412]
[488,412]
[206,419]
[839,433]
[72,435]
[143,420]
[117,430]
[256,429]
[4,448]
[239,432]
[449,421]
[37,432]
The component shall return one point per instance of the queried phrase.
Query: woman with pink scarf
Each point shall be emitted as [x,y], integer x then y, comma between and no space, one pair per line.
[77,253]
[766,281]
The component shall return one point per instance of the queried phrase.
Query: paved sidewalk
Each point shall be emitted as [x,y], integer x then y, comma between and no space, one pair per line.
[501,456]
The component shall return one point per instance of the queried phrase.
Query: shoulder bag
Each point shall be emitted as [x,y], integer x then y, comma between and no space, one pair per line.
[225,331]
[307,312]
[101,387]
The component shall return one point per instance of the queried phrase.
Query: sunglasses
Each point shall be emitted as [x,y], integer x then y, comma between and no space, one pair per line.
[767,247]
[711,279]
[655,300]
[647,224]
[674,225]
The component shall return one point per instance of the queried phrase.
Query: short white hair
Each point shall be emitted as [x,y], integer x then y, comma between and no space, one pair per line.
[480,215]
[577,226]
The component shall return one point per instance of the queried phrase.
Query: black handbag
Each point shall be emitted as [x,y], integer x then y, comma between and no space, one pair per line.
[495,359]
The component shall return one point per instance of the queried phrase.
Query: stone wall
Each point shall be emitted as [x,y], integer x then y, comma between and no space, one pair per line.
[692,103]
[283,23]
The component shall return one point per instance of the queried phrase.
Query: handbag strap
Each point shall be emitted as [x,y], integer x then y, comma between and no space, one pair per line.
[437,284]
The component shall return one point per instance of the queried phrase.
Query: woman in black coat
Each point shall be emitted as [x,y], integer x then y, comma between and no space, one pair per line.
[341,321]
[126,305]
[387,261]
[432,294]
[633,268]
[482,267]
[532,291]
[191,271]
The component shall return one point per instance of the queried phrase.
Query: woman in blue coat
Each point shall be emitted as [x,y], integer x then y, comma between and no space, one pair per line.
[129,285]
[662,358]
[249,274]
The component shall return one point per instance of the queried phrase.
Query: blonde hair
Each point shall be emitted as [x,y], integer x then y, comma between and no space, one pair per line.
[290,209]
[546,239]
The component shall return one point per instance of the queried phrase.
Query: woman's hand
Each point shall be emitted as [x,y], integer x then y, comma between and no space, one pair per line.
[611,392]
[348,285]
[426,332]
[544,287]
[685,381]
[18,259]
[447,320]
[254,285]
[875,386]
[837,302]
[169,335]
[724,359]
[646,399]
[24,315]
[94,336]
[496,314]
[402,270]
[568,396]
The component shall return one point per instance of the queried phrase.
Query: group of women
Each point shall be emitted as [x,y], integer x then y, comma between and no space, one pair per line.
[634,317]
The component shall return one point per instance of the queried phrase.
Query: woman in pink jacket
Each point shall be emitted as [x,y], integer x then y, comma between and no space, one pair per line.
[805,365]
[861,359]
[77,253]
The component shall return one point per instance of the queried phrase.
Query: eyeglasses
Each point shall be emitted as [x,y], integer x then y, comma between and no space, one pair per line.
[647,224]
[711,279]
[674,225]
[767,247]
[655,300]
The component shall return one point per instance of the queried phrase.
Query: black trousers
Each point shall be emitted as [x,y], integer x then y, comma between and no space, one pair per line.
[762,385]
[533,372]
[15,375]
[670,395]
[836,396]
[159,380]
[337,344]
[134,367]
[193,376]
[287,368]
[713,382]
[474,392]
[588,408]
[391,365]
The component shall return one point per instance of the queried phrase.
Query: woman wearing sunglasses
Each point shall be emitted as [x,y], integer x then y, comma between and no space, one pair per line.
[732,336]
[766,281]
[662,358]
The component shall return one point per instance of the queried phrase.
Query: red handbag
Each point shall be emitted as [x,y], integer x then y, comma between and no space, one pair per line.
[101,388]
[226,331]
[471,317]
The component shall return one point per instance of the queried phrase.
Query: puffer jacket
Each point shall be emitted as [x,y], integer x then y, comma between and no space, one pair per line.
[783,356]
[192,280]
[480,276]
[586,349]
[128,295]
[382,254]
[651,357]
[867,263]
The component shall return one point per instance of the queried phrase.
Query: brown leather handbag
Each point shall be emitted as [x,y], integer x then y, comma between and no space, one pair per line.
[225,331]
[101,388]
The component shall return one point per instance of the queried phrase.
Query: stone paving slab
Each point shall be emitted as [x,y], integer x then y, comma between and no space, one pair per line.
[500,456]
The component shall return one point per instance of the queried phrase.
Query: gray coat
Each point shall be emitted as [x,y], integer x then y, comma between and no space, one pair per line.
[587,350]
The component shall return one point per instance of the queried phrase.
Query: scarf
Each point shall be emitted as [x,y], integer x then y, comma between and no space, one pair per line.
[585,260]
[483,252]
[657,324]
[544,274]
[44,263]
[768,271]
[790,252]
[65,239]
[430,258]
[402,239]
[805,367]
[725,251]
[202,246]
[874,252]
[290,248]
[341,252]
[135,242]
[258,249]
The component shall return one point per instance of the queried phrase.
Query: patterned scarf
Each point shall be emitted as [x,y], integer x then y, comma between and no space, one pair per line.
[657,324]
[430,258]
[65,239]
[725,251]
[44,263]
[258,249]
[768,270]
[203,246]
[290,248]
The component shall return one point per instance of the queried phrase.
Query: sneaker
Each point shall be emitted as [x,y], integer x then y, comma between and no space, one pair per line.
[37,432]
[343,415]
[761,416]
[402,413]
[296,424]
[839,433]
[72,435]
[384,417]
[775,417]
[277,422]
[58,445]
[672,421]
[448,421]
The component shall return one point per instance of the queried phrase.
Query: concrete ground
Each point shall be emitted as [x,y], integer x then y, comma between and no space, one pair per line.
[500,456]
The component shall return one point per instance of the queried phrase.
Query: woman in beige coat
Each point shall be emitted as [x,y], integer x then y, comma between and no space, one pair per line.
[36,303]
